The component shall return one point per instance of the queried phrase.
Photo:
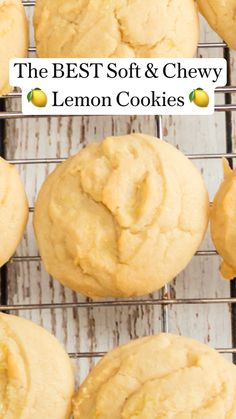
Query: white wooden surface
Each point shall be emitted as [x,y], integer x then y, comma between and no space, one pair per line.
[100,329]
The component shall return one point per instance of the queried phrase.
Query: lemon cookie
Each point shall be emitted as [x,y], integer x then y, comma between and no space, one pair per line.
[221,16]
[13,210]
[116,28]
[164,376]
[36,379]
[223,222]
[122,217]
[13,38]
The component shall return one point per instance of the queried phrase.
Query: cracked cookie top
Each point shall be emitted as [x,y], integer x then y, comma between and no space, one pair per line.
[116,28]
[164,376]
[122,217]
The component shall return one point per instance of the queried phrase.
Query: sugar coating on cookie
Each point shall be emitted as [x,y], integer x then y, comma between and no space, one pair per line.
[13,38]
[116,28]
[122,217]
[223,222]
[36,379]
[164,376]
[221,16]
[13,210]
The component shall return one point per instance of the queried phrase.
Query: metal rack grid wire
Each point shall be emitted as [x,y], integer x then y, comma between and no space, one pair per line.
[165,301]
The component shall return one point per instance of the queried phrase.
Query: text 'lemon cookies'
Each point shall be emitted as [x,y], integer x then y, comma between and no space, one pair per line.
[36,379]
[221,16]
[223,222]
[13,210]
[122,217]
[13,38]
[116,28]
[163,376]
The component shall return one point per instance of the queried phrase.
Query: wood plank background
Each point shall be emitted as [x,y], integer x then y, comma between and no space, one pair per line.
[102,328]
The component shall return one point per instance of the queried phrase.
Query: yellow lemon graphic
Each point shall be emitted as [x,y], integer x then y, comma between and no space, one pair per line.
[38,98]
[199,97]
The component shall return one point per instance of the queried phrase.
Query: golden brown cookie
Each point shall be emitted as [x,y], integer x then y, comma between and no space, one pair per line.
[13,210]
[223,222]
[36,380]
[164,376]
[116,28]
[221,16]
[13,38]
[122,217]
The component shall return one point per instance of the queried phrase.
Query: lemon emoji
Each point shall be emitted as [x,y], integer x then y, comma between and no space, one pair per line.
[199,97]
[38,98]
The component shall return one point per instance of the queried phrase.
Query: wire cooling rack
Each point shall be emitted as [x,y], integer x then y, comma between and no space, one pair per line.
[165,301]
